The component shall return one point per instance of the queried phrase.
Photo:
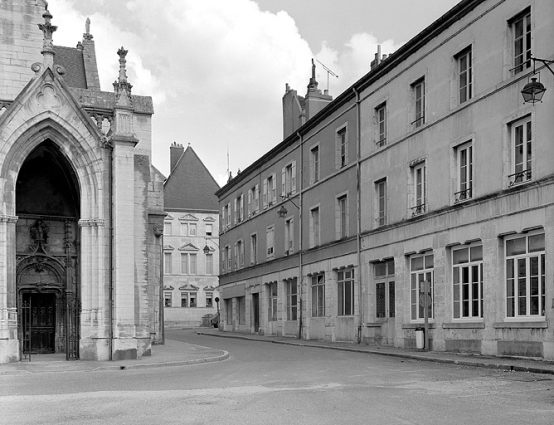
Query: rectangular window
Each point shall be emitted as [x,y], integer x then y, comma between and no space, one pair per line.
[184,264]
[209,229]
[314,227]
[314,164]
[292,299]
[240,253]
[192,229]
[229,258]
[289,236]
[192,299]
[385,298]
[525,276]
[465,75]
[381,119]
[342,148]
[184,229]
[342,217]
[288,179]
[227,215]
[223,259]
[167,299]
[270,191]
[254,249]
[522,151]
[192,259]
[421,285]
[270,238]
[318,295]
[239,209]
[419,178]
[467,282]
[418,89]
[209,299]
[167,229]
[167,263]
[229,311]
[272,302]
[345,282]
[521,30]
[209,264]
[253,200]
[464,160]
[381,202]
[184,299]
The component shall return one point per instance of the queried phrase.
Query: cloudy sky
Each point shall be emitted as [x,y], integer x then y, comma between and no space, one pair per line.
[217,69]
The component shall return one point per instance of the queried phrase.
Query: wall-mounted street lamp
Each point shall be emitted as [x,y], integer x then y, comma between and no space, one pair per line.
[534,90]
[207,249]
[282,211]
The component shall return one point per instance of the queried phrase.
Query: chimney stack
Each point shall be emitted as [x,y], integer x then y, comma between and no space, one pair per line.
[175,152]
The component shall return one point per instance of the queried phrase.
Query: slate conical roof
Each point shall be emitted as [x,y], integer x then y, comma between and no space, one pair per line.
[190,185]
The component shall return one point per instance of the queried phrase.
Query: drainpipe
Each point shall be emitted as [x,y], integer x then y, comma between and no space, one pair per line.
[300,234]
[359,217]
[111,279]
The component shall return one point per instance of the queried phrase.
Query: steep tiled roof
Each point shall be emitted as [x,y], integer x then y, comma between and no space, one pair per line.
[71,59]
[190,185]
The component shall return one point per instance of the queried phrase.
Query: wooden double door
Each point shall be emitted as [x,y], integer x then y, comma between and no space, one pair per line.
[39,322]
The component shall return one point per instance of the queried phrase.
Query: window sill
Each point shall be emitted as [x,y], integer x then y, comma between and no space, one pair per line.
[417,325]
[521,325]
[463,325]
[375,324]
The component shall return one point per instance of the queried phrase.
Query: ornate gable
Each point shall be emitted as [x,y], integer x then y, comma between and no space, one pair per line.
[188,247]
[188,217]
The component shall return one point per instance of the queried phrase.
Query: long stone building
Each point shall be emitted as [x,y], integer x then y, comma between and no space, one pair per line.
[81,206]
[425,189]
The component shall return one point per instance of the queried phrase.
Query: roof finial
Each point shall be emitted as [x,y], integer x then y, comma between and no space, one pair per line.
[122,85]
[312,86]
[47,29]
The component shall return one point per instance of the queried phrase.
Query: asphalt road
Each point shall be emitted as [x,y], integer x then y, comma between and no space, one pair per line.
[263,383]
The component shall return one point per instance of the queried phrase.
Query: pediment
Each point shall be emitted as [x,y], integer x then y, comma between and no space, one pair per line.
[189,247]
[168,288]
[48,96]
[209,219]
[209,288]
[168,217]
[168,248]
[188,287]
[188,217]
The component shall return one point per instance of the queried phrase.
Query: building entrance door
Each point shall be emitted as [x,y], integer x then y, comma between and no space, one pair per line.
[40,323]
[256,311]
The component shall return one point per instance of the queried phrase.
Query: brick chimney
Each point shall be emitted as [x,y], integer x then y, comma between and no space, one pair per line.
[175,152]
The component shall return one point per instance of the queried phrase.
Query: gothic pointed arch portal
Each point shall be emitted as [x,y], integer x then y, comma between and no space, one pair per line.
[47,242]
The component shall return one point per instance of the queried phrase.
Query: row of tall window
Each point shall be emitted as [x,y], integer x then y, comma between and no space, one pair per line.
[187,229]
[524,277]
[188,264]
[187,299]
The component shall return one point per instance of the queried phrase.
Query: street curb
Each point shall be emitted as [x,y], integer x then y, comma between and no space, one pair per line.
[222,357]
[498,366]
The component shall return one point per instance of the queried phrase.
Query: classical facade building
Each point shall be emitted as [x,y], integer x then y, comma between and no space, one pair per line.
[81,207]
[444,185]
[191,241]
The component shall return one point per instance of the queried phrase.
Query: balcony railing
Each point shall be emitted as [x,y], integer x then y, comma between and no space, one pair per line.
[418,209]
[381,142]
[520,177]
[463,195]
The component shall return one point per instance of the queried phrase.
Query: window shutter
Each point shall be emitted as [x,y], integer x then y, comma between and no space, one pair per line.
[274,188]
[249,202]
[337,151]
[291,237]
[346,146]
[337,218]
[257,198]
[283,181]
[241,207]
[293,178]
[312,166]
[235,248]
[265,188]
[235,210]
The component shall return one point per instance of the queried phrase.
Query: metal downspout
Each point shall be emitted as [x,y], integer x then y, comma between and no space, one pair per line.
[359,218]
[111,280]
[300,324]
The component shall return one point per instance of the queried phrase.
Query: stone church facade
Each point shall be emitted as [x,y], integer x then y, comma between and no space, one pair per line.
[81,206]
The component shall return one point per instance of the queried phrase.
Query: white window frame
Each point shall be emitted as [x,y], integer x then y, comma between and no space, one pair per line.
[184,229]
[315,160]
[315,226]
[209,229]
[467,282]
[168,296]
[417,276]
[526,257]
[345,288]
[342,216]
[272,305]
[521,150]
[464,63]
[418,92]
[465,160]
[386,280]
[270,242]
[419,188]
[269,191]
[168,229]
[209,268]
[317,286]
[341,146]
[168,263]
[521,40]
[253,249]
[253,200]
[192,229]
[292,299]
[381,202]
[288,179]
[381,124]
[289,235]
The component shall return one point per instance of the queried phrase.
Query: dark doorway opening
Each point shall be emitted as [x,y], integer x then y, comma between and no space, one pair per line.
[256,311]
[40,323]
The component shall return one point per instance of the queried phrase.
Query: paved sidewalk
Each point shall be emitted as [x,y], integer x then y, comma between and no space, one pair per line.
[503,363]
[172,353]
